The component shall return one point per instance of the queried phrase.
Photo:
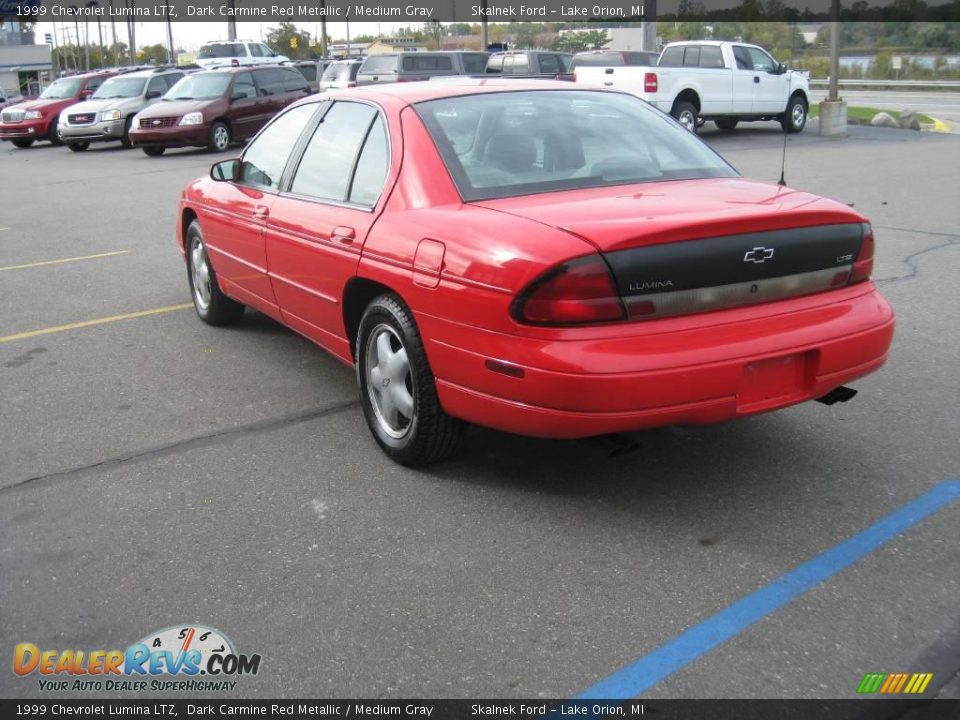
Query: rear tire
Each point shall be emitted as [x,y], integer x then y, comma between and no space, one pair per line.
[23,143]
[726,124]
[213,307]
[795,118]
[154,150]
[686,114]
[78,146]
[398,390]
[219,139]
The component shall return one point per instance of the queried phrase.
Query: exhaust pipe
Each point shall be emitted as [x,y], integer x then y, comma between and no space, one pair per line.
[838,395]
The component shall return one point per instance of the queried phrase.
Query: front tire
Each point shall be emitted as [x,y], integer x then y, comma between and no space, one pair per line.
[795,118]
[154,150]
[686,114]
[125,138]
[398,390]
[54,136]
[78,146]
[22,143]
[213,307]
[219,139]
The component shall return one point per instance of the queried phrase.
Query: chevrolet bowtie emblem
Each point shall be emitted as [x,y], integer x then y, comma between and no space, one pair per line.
[758,255]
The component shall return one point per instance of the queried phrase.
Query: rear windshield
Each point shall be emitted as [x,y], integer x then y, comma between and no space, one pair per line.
[510,143]
[474,63]
[379,64]
[221,50]
[200,87]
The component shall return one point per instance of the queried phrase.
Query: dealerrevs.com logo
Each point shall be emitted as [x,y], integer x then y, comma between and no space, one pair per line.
[181,657]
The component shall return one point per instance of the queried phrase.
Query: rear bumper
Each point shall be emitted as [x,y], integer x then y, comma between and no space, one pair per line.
[176,136]
[736,363]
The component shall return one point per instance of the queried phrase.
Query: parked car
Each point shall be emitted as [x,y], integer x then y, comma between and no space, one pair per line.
[216,107]
[613,58]
[237,52]
[108,114]
[727,82]
[412,66]
[312,71]
[340,74]
[25,123]
[7,98]
[531,64]
[477,261]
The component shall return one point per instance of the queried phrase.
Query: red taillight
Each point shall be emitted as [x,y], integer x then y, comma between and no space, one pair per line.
[650,82]
[577,292]
[235,62]
[863,265]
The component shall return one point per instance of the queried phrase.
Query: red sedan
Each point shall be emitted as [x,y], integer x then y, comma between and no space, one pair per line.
[555,262]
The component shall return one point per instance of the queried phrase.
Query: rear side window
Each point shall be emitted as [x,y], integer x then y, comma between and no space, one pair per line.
[309,72]
[427,62]
[672,57]
[606,59]
[265,158]
[711,57]
[293,81]
[474,63]
[269,81]
[378,64]
[371,167]
[326,168]
[516,64]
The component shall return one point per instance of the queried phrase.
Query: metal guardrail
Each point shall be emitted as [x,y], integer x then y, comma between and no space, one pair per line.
[928,84]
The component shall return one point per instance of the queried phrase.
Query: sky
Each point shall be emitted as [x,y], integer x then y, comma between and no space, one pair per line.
[191,35]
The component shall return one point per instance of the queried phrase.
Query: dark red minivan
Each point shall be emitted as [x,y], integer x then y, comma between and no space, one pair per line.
[214,108]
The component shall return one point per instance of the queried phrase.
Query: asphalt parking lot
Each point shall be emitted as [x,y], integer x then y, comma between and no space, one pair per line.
[157,471]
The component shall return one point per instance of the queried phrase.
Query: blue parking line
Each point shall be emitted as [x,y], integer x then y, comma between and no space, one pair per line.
[647,671]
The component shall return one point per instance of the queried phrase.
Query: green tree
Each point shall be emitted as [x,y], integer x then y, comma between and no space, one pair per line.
[281,38]
[583,40]
[153,54]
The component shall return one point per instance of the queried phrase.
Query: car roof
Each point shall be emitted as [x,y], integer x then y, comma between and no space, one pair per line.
[410,93]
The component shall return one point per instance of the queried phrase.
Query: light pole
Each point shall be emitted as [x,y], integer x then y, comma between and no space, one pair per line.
[113,30]
[93,4]
[231,23]
[171,53]
[833,110]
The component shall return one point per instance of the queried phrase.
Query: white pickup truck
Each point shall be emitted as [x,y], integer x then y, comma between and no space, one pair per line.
[726,82]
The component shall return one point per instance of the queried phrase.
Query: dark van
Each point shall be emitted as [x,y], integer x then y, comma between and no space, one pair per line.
[217,107]
[412,66]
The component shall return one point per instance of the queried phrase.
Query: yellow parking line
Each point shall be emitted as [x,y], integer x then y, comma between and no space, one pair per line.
[64,260]
[90,323]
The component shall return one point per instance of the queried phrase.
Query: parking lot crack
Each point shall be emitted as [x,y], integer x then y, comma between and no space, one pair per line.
[911,260]
[180,446]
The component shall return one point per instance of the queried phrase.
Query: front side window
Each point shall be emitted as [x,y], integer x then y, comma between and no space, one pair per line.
[379,64]
[157,84]
[711,56]
[550,64]
[221,50]
[742,57]
[327,165]
[507,144]
[760,61]
[243,87]
[264,160]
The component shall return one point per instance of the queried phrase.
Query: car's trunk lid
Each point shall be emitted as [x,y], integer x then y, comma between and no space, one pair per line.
[688,246]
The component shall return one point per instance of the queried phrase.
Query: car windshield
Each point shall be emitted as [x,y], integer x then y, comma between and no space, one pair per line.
[199,87]
[121,87]
[519,143]
[62,88]
[221,50]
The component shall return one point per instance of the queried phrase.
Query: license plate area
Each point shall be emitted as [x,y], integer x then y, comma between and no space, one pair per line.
[776,381]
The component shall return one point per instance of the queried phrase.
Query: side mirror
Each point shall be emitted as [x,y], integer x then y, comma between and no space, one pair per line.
[85,94]
[226,170]
[151,94]
[238,95]
[781,69]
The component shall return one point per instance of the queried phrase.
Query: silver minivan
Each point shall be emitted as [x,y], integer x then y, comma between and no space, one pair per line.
[412,66]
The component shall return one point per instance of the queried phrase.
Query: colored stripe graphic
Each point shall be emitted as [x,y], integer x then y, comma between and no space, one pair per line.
[648,670]
[871,682]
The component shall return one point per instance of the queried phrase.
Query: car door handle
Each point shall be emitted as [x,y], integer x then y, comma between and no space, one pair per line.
[756,78]
[260,212]
[343,234]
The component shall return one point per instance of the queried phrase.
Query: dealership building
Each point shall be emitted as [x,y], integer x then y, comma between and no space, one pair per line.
[24,66]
